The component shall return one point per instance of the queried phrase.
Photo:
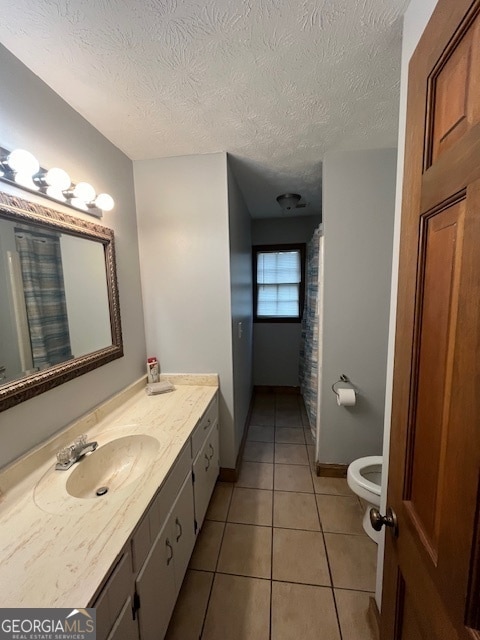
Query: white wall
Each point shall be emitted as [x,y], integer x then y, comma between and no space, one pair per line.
[32,116]
[9,349]
[358,212]
[276,346]
[86,294]
[241,300]
[183,222]
[415,20]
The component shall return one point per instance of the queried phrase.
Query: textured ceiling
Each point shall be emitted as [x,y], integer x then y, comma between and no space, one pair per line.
[276,83]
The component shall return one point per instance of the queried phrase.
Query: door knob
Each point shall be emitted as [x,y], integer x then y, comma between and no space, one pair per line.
[389,520]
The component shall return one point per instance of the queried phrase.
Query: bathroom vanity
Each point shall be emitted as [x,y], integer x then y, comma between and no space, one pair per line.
[124,552]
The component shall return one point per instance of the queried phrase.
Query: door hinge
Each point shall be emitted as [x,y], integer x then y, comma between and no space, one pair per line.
[136,605]
[196,525]
[193,477]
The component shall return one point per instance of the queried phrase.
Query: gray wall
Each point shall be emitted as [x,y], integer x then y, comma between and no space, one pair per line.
[358,213]
[241,300]
[183,218]
[276,346]
[32,116]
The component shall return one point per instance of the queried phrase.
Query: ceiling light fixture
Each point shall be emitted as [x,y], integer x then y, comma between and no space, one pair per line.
[21,169]
[289,201]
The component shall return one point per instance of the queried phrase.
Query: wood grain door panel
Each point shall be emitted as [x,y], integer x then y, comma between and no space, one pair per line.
[432,570]
[439,264]
[454,90]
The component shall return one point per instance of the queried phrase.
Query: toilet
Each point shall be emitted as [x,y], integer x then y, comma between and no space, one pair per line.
[364,477]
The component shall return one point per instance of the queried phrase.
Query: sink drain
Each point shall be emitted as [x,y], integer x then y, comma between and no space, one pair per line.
[101,491]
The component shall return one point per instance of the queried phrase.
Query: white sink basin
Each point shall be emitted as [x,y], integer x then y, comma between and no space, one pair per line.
[112,466]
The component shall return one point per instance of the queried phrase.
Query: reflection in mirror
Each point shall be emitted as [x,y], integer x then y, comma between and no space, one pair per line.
[59,313]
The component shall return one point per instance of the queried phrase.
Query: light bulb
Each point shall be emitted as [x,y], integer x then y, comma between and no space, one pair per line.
[56,194]
[84,191]
[58,178]
[24,162]
[79,204]
[25,180]
[104,202]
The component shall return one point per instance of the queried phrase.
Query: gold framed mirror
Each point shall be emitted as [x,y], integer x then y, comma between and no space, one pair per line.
[59,305]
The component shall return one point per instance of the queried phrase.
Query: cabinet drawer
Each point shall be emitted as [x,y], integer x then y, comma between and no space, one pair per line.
[203,427]
[114,594]
[141,543]
[169,491]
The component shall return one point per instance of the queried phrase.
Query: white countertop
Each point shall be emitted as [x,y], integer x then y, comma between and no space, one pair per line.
[59,558]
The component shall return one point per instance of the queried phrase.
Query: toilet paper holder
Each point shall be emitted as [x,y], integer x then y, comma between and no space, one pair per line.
[346,380]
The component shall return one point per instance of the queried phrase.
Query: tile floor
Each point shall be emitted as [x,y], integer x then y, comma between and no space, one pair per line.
[282,553]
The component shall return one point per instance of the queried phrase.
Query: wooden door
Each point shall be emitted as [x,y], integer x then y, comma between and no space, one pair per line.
[432,569]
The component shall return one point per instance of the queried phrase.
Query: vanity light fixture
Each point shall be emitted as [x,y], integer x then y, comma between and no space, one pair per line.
[84,191]
[20,168]
[57,179]
[104,201]
[21,161]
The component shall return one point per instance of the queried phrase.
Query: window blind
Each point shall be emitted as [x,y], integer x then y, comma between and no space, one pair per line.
[278,280]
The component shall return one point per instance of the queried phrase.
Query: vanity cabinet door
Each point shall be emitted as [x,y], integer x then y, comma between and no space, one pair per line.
[183,530]
[205,469]
[125,627]
[155,586]
[117,591]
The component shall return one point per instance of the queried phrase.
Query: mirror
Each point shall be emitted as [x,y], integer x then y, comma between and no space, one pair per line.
[59,310]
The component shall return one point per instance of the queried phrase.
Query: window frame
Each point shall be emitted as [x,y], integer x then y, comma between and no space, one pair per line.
[275,248]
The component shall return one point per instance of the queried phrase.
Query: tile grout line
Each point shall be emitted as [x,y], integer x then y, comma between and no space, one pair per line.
[273,516]
[293,582]
[328,560]
[216,572]
[329,570]
[216,564]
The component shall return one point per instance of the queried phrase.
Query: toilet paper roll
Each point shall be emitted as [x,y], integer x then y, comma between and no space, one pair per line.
[346,397]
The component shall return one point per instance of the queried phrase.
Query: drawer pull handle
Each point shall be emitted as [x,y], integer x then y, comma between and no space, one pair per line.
[180,532]
[167,544]
[208,462]
[207,424]
[213,451]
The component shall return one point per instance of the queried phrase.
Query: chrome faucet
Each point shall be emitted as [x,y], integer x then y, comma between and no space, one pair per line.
[68,456]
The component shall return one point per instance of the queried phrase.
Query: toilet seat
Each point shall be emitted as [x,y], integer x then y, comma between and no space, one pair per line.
[358,467]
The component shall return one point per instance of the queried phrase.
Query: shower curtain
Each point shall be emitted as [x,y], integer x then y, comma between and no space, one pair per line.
[311,329]
[43,285]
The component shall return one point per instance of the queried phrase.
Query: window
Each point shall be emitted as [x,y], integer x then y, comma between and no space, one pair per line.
[278,282]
